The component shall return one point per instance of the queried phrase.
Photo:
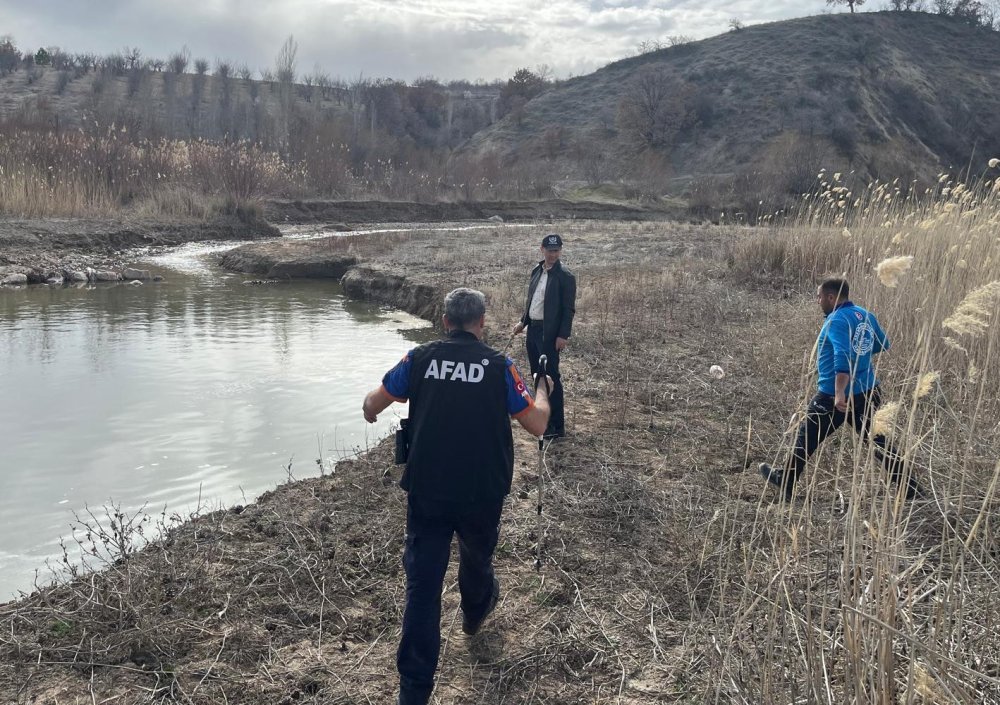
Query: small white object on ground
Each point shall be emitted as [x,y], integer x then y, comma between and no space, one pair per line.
[716,372]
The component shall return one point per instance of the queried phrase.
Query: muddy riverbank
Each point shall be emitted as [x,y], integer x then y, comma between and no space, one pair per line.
[51,248]
[42,249]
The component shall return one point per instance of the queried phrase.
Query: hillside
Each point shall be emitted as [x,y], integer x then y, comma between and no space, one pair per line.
[888,94]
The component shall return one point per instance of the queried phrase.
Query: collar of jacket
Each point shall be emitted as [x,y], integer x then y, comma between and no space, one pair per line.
[838,307]
[458,334]
[557,265]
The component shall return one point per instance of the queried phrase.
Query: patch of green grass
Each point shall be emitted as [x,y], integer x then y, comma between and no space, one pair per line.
[60,628]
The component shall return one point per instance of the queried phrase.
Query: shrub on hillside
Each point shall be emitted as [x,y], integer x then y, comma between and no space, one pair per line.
[10,57]
[655,107]
[62,80]
[845,139]
[592,154]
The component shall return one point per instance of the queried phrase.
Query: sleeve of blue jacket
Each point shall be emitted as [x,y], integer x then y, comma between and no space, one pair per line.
[396,382]
[839,335]
[881,339]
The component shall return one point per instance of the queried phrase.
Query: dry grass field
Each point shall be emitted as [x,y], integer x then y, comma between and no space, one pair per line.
[670,572]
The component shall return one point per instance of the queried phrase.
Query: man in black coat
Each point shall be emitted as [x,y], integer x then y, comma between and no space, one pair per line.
[548,318]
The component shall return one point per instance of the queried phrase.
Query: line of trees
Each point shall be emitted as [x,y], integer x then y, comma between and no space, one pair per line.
[979,13]
[370,135]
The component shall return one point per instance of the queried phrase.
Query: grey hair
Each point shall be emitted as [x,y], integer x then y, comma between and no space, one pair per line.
[464,306]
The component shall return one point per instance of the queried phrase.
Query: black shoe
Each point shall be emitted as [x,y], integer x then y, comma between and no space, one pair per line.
[553,435]
[913,490]
[470,627]
[414,696]
[777,478]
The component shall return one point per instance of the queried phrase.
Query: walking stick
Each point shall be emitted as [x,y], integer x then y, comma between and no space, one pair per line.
[506,348]
[542,362]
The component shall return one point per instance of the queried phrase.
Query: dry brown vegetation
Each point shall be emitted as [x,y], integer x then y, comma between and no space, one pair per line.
[670,572]
[107,171]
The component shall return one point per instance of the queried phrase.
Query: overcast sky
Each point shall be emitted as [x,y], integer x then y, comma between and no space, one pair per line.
[403,39]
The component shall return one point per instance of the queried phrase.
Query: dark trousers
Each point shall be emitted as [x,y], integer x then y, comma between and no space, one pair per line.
[823,418]
[536,347]
[429,529]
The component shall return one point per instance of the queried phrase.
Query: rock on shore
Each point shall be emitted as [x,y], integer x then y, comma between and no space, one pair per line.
[15,279]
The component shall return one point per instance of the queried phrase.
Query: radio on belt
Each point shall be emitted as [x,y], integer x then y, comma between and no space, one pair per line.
[403,442]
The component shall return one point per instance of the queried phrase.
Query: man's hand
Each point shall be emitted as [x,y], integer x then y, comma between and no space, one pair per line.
[840,401]
[517,329]
[546,388]
[375,403]
[561,344]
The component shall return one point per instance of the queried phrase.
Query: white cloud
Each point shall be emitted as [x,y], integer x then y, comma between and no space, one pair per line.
[398,38]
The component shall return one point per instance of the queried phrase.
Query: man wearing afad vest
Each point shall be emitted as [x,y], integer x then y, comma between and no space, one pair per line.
[462,395]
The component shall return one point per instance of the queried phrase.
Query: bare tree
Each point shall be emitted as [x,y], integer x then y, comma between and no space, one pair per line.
[285,62]
[850,3]
[178,61]
[321,80]
[648,46]
[654,108]
[284,71]
[545,73]
[224,75]
[133,57]
[10,55]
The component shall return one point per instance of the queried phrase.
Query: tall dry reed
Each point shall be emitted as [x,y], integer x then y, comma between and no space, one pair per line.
[851,594]
[106,171]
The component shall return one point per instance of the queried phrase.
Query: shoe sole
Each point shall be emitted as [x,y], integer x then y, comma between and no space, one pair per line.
[472,631]
[765,471]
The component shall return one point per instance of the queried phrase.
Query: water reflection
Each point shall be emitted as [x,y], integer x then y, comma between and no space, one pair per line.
[198,386]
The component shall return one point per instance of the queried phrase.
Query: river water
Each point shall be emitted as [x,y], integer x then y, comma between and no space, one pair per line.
[192,393]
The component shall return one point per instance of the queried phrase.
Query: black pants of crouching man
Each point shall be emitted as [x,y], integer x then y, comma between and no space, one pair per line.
[536,347]
[429,530]
[823,418]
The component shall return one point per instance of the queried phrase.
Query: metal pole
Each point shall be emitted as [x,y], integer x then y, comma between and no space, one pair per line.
[542,363]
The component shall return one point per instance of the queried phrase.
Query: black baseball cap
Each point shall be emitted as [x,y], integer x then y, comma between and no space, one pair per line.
[552,242]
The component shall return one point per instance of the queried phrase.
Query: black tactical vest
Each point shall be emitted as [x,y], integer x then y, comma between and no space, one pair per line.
[461,447]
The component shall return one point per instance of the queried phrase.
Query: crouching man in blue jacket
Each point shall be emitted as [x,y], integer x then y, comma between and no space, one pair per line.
[848,389]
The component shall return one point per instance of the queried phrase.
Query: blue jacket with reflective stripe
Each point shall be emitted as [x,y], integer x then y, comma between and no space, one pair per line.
[849,338]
